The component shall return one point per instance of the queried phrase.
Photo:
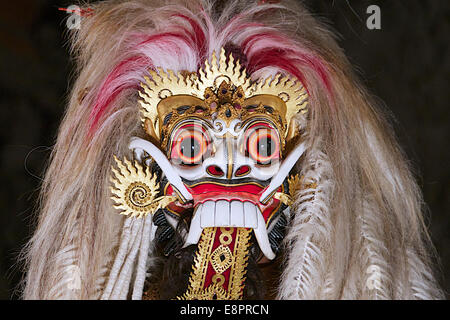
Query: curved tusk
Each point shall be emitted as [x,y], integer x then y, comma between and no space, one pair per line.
[262,236]
[164,164]
[285,168]
[195,230]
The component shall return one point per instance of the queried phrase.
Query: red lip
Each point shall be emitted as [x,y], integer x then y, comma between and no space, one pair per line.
[213,191]
[246,192]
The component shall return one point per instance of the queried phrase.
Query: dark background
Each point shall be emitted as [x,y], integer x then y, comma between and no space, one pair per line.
[406,64]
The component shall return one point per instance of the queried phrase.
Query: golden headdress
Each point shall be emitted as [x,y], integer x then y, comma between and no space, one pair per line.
[222,88]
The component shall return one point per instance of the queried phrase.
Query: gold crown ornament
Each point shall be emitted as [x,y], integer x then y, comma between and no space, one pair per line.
[221,89]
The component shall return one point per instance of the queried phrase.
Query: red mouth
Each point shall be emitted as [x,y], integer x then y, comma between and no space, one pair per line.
[209,191]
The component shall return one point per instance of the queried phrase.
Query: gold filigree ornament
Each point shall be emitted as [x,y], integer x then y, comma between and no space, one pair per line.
[221,259]
[222,88]
[135,189]
[284,198]
[237,262]
[213,292]
[296,184]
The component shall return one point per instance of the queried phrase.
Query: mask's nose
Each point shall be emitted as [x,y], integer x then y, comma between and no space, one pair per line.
[226,162]
[242,171]
[222,162]
[215,171]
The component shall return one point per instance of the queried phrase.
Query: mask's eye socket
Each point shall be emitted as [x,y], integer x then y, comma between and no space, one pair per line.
[263,146]
[189,146]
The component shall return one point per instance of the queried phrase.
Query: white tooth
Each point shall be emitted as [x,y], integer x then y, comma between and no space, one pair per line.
[222,214]
[262,237]
[207,214]
[195,231]
[236,214]
[250,215]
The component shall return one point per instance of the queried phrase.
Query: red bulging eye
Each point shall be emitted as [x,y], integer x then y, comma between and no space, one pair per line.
[189,147]
[263,146]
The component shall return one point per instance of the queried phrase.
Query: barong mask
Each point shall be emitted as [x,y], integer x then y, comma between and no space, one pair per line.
[218,158]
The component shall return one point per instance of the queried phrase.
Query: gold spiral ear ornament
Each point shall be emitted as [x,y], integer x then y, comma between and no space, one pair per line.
[135,189]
